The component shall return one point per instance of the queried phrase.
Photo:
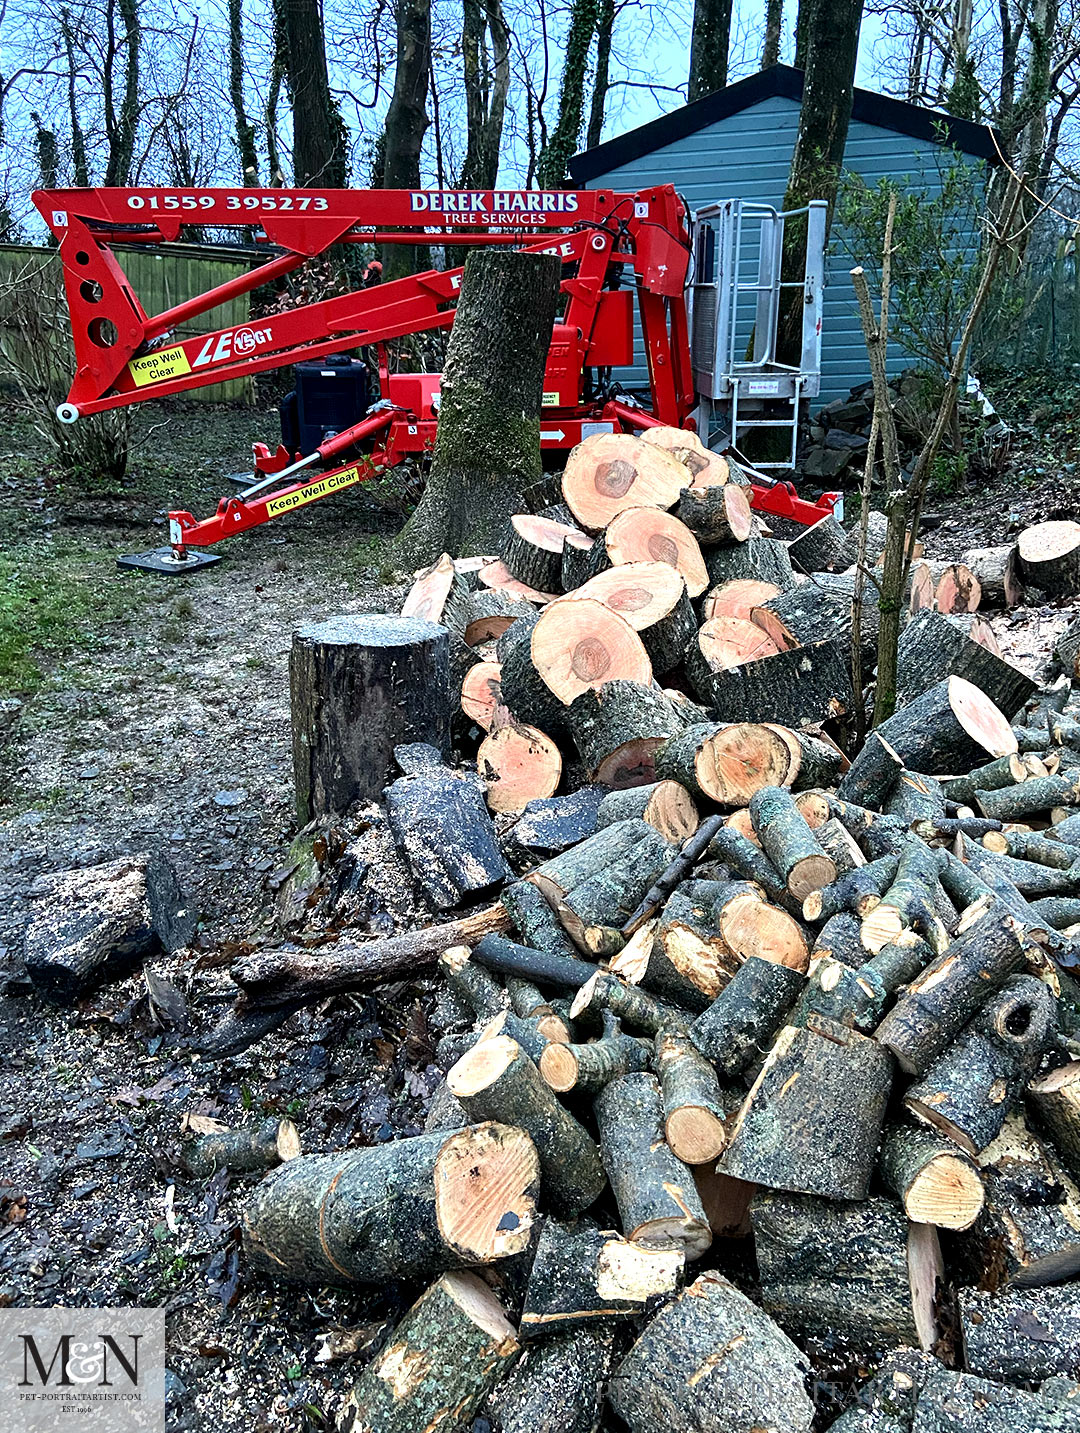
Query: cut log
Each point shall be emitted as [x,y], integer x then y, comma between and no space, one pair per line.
[475,986]
[712,1360]
[578,644]
[557,1387]
[499,578]
[619,728]
[723,643]
[872,776]
[995,570]
[497,1075]
[858,1272]
[439,591]
[652,597]
[664,804]
[819,761]
[610,472]
[1054,1100]
[887,1402]
[361,686]
[1048,556]
[760,559]
[1025,1335]
[716,514]
[909,903]
[951,727]
[583,1276]
[633,1006]
[691,851]
[1067,651]
[492,613]
[588,1068]
[840,938]
[811,1122]
[737,598]
[789,843]
[859,891]
[680,957]
[1028,1232]
[694,1110]
[835,991]
[726,1202]
[920,588]
[750,927]
[508,958]
[804,687]
[915,797]
[1033,878]
[993,776]
[481,693]
[536,922]
[444,831]
[600,882]
[809,613]
[532,550]
[551,824]
[1034,797]
[261,1147]
[824,546]
[1031,846]
[934,1181]
[941,1000]
[957,589]
[724,763]
[836,841]
[449,1350]
[645,534]
[932,647]
[518,764]
[655,1192]
[100,922]
[746,1015]
[970,1088]
[403,1210]
[706,468]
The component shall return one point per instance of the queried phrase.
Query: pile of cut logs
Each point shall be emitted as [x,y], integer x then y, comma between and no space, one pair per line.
[734,987]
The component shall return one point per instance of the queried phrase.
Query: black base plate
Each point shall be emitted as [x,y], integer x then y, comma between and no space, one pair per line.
[164,561]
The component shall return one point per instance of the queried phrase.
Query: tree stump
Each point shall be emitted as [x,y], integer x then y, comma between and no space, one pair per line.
[360,686]
[1049,557]
[487,451]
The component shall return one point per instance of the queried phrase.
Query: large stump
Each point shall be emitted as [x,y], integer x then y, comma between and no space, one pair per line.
[488,447]
[360,686]
[1049,557]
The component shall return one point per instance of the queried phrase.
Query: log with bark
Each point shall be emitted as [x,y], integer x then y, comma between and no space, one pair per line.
[859,890]
[443,830]
[536,922]
[610,472]
[100,922]
[721,644]
[652,597]
[694,1105]
[823,547]
[712,1360]
[967,1092]
[1023,1335]
[449,1350]
[836,841]
[490,614]
[915,797]
[725,763]
[645,534]
[532,550]
[737,598]
[706,468]
[1048,557]
[549,825]
[663,804]
[750,926]
[840,938]
[578,644]
[811,1122]
[1028,1232]
[1054,1101]
[407,1209]
[496,1075]
[836,991]
[760,559]
[518,764]
[811,613]
[619,727]
[909,903]
[588,1068]
[359,688]
[680,956]
[546,966]
[481,693]
[557,1387]
[654,1190]
[1034,797]
[995,569]
[747,1013]
[716,514]
[859,1271]
[935,1182]
[803,687]
[582,1276]
[252,1147]
[789,842]
[1067,650]
[869,780]
[633,1006]
[995,775]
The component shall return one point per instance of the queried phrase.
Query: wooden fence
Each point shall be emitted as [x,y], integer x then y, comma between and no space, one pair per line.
[161,278]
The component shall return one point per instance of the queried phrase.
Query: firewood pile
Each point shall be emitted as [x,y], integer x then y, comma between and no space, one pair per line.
[721,987]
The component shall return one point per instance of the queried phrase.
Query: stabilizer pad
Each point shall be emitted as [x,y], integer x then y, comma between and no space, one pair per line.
[164,561]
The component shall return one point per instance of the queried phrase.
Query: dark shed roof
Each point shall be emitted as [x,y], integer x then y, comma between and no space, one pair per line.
[786,82]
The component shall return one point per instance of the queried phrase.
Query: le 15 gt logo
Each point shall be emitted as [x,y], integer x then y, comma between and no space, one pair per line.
[89,1370]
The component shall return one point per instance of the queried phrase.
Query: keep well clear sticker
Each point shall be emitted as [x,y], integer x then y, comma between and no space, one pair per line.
[86,1370]
[156,367]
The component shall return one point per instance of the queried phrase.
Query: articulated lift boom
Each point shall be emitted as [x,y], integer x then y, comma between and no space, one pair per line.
[614,247]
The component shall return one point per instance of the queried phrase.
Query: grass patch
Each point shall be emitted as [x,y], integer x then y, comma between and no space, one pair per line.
[56,598]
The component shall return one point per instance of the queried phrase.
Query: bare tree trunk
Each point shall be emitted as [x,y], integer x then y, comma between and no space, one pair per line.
[774,19]
[803,26]
[245,130]
[121,121]
[318,131]
[406,124]
[605,26]
[551,170]
[485,94]
[709,47]
[78,139]
[488,446]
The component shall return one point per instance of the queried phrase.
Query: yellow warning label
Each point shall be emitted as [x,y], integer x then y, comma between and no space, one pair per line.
[313,492]
[155,367]
[550,400]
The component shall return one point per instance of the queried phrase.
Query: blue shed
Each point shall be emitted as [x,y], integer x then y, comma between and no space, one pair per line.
[737,144]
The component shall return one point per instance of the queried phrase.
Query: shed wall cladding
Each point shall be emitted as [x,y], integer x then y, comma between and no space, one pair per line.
[747,155]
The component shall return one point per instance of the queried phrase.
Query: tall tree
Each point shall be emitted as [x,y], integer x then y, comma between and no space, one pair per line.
[407,121]
[487,84]
[318,131]
[78,138]
[774,19]
[245,130]
[552,167]
[605,27]
[121,110]
[709,45]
